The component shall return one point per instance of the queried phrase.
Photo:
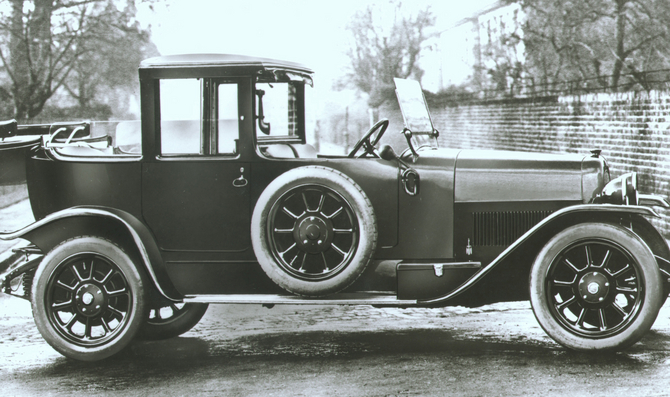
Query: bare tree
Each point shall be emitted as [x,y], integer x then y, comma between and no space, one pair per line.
[596,40]
[382,51]
[108,67]
[42,42]
[501,54]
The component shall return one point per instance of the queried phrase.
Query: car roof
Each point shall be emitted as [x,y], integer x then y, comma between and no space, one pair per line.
[219,60]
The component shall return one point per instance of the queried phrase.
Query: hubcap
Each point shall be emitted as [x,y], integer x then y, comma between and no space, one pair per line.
[313,234]
[594,287]
[90,300]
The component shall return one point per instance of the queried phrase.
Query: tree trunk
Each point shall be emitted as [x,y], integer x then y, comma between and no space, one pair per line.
[30,58]
[18,59]
[620,36]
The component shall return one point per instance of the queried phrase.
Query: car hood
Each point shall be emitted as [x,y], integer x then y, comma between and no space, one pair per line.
[501,176]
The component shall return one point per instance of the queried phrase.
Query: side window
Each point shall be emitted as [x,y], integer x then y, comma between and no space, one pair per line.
[228,125]
[279,108]
[180,116]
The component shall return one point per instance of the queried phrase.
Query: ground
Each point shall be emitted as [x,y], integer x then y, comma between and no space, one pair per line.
[340,350]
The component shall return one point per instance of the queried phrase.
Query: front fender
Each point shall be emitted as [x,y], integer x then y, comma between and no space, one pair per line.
[113,224]
[536,237]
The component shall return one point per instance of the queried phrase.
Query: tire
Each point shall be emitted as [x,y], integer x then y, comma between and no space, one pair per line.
[313,231]
[596,287]
[88,298]
[168,320]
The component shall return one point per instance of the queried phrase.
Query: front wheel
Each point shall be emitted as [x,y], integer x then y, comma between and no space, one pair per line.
[596,287]
[88,299]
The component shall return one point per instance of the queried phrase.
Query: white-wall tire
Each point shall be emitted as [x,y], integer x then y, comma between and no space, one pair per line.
[88,298]
[596,286]
[313,231]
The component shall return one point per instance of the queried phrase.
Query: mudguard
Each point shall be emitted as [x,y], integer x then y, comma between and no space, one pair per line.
[558,221]
[114,224]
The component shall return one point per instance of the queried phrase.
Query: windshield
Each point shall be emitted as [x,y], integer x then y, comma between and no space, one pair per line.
[413,107]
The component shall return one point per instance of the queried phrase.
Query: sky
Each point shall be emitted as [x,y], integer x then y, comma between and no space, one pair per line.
[309,32]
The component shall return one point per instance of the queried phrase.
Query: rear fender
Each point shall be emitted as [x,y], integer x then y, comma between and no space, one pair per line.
[115,225]
[518,257]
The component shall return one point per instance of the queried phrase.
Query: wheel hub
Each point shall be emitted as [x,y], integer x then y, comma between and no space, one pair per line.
[313,233]
[89,299]
[594,287]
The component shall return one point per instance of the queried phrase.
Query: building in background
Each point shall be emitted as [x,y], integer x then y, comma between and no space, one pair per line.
[476,50]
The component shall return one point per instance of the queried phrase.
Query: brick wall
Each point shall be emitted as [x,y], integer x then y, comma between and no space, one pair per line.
[632,129]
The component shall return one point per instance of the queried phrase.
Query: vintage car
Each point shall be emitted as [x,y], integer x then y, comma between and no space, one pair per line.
[215,196]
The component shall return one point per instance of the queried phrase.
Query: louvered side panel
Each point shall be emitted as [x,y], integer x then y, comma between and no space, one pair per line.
[503,228]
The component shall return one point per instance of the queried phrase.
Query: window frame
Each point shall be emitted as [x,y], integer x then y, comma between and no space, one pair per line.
[208,121]
[300,136]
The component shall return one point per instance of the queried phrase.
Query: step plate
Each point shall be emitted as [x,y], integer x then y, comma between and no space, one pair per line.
[339,299]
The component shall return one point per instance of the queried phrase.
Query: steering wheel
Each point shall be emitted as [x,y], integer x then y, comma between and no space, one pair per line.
[381,125]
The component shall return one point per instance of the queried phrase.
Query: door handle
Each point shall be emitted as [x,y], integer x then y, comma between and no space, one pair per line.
[241,181]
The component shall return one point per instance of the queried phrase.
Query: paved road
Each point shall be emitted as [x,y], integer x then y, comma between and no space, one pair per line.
[340,351]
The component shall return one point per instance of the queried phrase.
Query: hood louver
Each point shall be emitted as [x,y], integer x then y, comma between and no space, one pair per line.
[503,228]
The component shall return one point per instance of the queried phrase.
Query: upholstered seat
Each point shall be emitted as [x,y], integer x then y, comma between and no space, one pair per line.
[289,151]
[305,151]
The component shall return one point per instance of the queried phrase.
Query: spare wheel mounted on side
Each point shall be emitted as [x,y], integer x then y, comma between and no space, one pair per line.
[313,231]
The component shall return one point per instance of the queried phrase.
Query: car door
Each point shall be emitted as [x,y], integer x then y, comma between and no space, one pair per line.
[195,193]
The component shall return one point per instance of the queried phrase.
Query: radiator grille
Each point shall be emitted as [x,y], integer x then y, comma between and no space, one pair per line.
[503,228]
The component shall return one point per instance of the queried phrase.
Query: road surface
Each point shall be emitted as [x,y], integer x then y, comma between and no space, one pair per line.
[496,350]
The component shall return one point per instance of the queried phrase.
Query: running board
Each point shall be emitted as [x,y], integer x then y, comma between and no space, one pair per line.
[338,299]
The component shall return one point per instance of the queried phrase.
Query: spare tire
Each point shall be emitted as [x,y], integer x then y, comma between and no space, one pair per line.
[313,231]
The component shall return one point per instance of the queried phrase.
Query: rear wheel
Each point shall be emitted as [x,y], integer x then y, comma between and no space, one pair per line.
[596,287]
[168,320]
[88,299]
